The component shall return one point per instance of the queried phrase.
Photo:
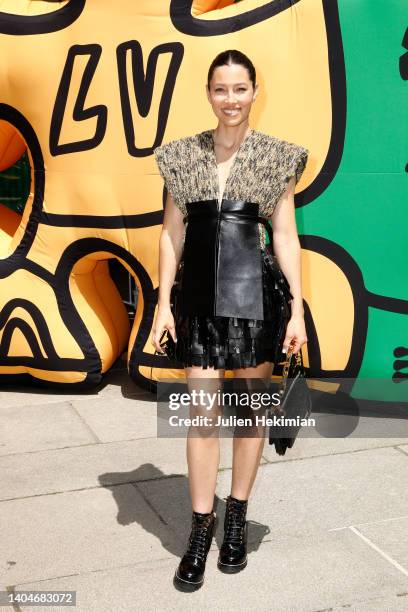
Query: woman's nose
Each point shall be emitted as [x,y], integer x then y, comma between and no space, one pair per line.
[230,97]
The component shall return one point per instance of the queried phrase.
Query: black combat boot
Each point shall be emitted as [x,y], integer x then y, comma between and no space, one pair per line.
[233,551]
[189,575]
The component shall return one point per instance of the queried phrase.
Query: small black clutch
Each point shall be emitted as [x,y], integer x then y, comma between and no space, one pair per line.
[164,339]
[295,402]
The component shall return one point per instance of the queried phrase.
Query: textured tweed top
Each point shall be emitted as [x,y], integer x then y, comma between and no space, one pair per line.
[259,173]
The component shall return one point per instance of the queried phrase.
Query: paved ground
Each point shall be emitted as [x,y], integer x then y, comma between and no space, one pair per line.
[93,501]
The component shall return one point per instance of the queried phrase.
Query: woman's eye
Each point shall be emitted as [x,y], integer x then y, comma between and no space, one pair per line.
[239,89]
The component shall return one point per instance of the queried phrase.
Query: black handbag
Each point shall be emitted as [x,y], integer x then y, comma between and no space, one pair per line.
[295,402]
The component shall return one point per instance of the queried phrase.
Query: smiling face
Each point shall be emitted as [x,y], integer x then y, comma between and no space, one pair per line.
[231,94]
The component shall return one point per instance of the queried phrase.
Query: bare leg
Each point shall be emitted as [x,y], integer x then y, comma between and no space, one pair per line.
[203,444]
[247,451]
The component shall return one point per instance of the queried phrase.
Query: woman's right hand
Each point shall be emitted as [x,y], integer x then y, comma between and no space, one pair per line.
[164,320]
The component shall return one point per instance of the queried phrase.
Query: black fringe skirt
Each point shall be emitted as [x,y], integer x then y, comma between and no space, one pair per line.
[233,342]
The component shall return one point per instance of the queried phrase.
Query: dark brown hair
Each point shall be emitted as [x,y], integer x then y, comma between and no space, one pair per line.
[232,56]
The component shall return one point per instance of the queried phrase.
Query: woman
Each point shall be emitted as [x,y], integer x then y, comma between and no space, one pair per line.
[226,184]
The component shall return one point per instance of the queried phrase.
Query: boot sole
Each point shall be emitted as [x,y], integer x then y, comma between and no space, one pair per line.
[231,569]
[185,585]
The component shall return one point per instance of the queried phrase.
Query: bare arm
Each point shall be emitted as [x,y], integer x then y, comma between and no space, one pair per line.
[287,249]
[286,244]
[170,249]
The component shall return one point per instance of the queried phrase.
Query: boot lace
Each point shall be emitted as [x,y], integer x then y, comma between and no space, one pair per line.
[235,521]
[198,539]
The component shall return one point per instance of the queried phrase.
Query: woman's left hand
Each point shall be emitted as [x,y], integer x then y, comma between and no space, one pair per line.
[295,331]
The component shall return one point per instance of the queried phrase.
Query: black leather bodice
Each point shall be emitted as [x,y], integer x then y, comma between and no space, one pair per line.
[222,259]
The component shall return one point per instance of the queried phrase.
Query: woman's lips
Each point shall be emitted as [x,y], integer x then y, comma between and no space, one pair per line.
[230,112]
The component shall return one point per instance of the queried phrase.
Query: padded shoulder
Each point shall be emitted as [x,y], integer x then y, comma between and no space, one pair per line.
[284,159]
[171,160]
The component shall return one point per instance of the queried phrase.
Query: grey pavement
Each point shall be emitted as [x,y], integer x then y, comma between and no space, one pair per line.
[92,501]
